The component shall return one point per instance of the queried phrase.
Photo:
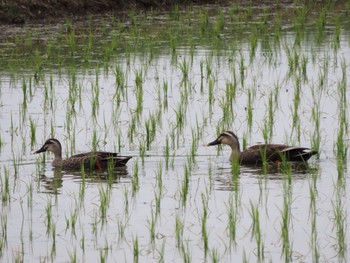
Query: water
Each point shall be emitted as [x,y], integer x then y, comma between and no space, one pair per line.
[172,82]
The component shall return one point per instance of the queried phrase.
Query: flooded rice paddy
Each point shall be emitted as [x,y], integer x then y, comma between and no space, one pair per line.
[159,88]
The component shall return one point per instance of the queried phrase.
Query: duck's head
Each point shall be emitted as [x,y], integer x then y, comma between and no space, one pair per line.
[229,138]
[51,145]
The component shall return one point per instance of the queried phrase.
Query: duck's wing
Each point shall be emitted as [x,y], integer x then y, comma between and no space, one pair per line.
[256,154]
[101,160]
[298,154]
[276,153]
[280,152]
[98,154]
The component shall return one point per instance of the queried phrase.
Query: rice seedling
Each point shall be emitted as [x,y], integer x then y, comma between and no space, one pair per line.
[166,153]
[219,23]
[232,221]
[235,171]
[136,251]
[18,255]
[256,231]
[336,42]
[186,252]
[179,230]
[5,187]
[142,150]
[242,70]
[165,95]
[139,92]
[321,24]
[175,13]
[316,136]
[210,95]
[287,246]
[214,255]
[53,237]
[184,68]
[73,256]
[204,20]
[253,45]
[194,145]
[150,126]
[249,110]
[204,224]
[95,91]
[121,227]
[71,39]
[32,132]
[1,142]
[339,214]
[135,179]
[313,220]
[185,186]
[126,200]
[295,109]
[173,48]
[341,145]
[4,230]
[48,219]
[161,252]
[152,227]
[180,117]
[104,203]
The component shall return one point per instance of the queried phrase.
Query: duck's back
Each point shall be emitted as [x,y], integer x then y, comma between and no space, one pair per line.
[275,153]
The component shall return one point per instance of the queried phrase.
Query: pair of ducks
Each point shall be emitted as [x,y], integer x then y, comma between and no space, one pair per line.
[252,156]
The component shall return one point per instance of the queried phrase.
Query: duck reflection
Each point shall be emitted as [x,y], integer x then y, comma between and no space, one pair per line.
[229,180]
[52,181]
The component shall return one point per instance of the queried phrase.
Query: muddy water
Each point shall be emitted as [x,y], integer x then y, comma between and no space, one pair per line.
[135,97]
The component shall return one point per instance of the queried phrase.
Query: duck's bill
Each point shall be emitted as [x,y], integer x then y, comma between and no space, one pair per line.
[41,150]
[216,142]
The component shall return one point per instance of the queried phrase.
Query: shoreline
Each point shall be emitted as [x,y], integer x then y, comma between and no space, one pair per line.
[31,11]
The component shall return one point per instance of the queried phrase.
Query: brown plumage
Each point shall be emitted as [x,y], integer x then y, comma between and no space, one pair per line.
[257,153]
[91,160]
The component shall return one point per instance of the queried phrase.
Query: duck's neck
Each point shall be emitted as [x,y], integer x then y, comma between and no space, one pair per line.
[57,161]
[236,152]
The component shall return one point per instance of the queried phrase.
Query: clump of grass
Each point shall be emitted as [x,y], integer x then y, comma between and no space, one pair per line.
[139,92]
[313,218]
[339,218]
[32,133]
[152,227]
[185,185]
[104,203]
[249,109]
[167,153]
[48,220]
[150,126]
[232,221]
[185,68]
[295,109]
[136,251]
[135,179]
[204,224]
[179,230]
[5,187]
[256,231]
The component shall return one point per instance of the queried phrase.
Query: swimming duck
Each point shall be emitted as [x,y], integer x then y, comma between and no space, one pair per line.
[94,160]
[254,155]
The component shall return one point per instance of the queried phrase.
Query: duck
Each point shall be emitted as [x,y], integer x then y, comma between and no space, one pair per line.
[96,160]
[254,155]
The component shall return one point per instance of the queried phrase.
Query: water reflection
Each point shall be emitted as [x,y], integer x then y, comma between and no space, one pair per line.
[52,181]
[226,181]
